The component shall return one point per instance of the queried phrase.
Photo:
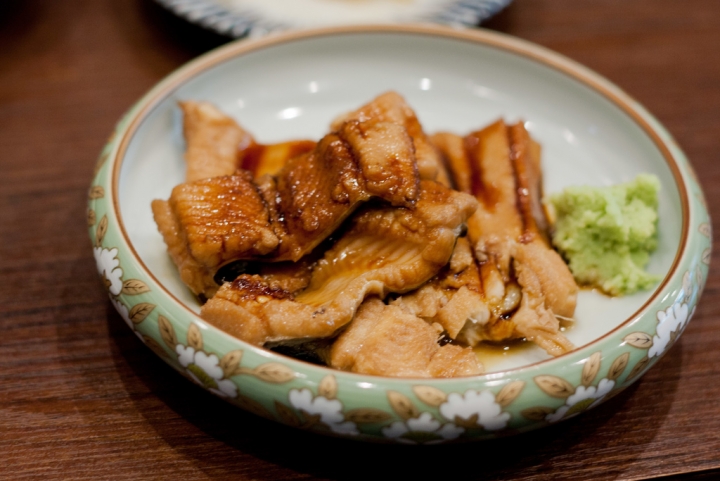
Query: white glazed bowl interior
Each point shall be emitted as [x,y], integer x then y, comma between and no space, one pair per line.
[292,90]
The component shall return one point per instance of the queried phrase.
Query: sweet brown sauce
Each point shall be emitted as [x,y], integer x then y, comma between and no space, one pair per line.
[250,156]
[490,354]
[260,157]
[485,193]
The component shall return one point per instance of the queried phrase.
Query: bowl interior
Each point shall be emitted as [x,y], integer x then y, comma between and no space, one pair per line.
[293,89]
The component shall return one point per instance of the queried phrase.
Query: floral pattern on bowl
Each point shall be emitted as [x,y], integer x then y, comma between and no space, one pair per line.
[409,411]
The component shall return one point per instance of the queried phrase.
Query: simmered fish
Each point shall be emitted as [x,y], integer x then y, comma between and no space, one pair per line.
[269,159]
[386,340]
[209,222]
[316,192]
[524,282]
[453,297]
[391,107]
[218,146]
[289,215]
[454,300]
[377,249]
[213,140]
[386,249]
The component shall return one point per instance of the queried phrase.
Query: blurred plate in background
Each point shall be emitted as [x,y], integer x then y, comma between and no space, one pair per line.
[239,18]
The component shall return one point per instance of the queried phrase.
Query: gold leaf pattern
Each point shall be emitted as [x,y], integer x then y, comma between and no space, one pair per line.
[253,406]
[706,256]
[194,337]
[431,396]
[101,231]
[508,393]
[639,367]
[618,366]
[156,347]
[100,162]
[134,287]
[366,416]
[591,369]
[578,407]
[96,192]
[243,370]
[402,405]
[274,372]
[640,340]
[328,387]
[554,386]
[705,230]
[287,415]
[167,332]
[687,284]
[230,362]
[91,218]
[140,311]
[312,420]
[467,423]
[698,275]
[537,413]
[700,197]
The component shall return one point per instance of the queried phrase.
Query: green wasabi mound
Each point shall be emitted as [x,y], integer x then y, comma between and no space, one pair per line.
[606,234]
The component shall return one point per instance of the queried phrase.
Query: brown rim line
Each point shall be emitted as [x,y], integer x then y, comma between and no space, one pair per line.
[497,40]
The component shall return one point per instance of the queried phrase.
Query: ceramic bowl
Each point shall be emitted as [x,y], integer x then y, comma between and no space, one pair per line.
[252,18]
[292,86]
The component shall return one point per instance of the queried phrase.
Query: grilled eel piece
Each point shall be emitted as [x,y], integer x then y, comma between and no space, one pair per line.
[218,146]
[385,249]
[212,222]
[384,340]
[392,107]
[454,300]
[525,283]
[212,141]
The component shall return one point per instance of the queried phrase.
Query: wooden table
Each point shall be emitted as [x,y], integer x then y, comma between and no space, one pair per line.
[82,398]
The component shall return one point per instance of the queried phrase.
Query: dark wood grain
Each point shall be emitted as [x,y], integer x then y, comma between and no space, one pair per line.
[82,398]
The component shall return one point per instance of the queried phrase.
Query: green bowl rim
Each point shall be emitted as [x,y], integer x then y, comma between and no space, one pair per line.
[650,126]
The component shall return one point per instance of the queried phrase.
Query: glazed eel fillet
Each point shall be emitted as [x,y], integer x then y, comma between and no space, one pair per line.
[214,221]
[392,107]
[216,145]
[385,340]
[385,250]
[508,282]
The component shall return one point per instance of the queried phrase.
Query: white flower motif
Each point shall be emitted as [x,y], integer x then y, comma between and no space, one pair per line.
[423,429]
[186,354]
[329,410]
[204,369]
[479,406]
[124,313]
[670,320]
[108,266]
[210,364]
[582,399]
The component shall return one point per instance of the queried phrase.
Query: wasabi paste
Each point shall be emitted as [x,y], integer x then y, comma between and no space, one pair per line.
[606,234]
